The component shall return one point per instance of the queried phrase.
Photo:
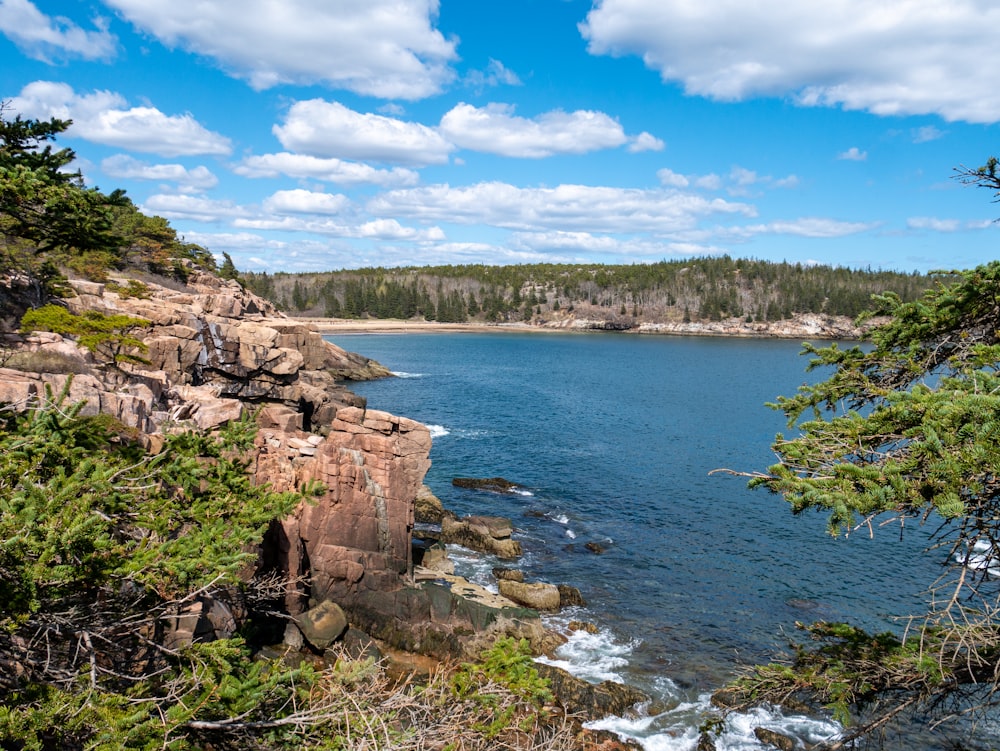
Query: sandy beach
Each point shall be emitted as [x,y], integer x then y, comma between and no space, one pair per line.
[396,326]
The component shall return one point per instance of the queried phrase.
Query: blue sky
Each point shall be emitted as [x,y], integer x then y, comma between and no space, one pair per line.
[310,136]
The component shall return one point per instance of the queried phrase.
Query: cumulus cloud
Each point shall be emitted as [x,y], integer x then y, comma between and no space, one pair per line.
[305,202]
[494,129]
[896,57]
[672,179]
[575,208]
[584,242]
[329,170]
[381,229]
[48,37]
[104,117]
[738,182]
[329,129]
[194,208]
[645,142]
[380,48]
[853,154]
[187,180]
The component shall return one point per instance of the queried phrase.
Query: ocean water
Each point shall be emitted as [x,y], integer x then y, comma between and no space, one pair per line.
[614,439]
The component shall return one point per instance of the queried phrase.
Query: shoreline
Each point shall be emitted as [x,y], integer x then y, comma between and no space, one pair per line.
[802,327]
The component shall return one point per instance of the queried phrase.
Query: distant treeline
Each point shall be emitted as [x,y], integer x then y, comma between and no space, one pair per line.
[695,289]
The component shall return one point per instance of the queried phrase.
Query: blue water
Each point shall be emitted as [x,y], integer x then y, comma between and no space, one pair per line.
[615,438]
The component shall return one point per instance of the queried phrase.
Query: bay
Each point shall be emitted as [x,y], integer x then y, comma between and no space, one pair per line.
[615,439]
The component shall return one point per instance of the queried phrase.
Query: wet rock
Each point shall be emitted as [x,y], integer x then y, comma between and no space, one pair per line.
[594,547]
[360,646]
[775,739]
[590,628]
[577,696]
[427,507]
[510,574]
[491,484]
[485,534]
[536,596]
[569,596]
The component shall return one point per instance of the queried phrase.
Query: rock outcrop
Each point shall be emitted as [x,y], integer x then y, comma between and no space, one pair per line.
[217,336]
[485,534]
[215,353]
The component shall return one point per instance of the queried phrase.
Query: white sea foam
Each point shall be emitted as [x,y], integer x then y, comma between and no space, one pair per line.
[404,374]
[676,729]
[438,430]
[593,657]
[561,519]
[571,534]
[522,491]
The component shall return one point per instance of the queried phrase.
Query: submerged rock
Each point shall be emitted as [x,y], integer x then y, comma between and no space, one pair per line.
[491,484]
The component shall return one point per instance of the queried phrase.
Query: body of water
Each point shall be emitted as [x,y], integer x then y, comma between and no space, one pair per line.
[614,439]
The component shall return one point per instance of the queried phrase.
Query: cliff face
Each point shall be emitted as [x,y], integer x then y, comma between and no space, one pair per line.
[356,538]
[215,352]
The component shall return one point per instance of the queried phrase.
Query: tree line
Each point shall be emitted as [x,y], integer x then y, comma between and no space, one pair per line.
[694,289]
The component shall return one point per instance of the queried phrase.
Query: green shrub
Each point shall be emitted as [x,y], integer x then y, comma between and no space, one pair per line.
[110,337]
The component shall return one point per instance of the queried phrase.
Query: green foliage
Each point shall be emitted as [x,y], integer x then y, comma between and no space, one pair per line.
[906,428]
[707,288]
[109,336]
[508,663]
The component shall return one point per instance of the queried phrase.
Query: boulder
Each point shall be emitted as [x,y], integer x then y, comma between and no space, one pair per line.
[537,596]
[323,624]
[774,739]
[485,534]
[577,696]
[570,596]
[510,574]
[427,508]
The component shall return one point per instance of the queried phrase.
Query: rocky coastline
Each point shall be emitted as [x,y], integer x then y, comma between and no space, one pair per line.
[365,559]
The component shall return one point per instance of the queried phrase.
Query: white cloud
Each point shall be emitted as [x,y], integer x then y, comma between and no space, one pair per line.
[188,180]
[46,37]
[586,243]
[194,208]
[853,154]
[381,48]
[305,202]
[927,133]
[381,229]
[672,179]
[815,227]
[894,57]
[102,117]
[708,182]
[329,129]
[496,74]
[494,129]
[573,208]
[330,170]
[943,225]
[645,142]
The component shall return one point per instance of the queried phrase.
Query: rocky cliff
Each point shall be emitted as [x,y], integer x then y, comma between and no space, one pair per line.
[216,352]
